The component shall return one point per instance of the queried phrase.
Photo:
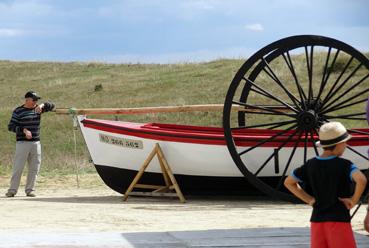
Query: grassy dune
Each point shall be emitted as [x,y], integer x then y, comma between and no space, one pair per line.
[89,85]
[125,85]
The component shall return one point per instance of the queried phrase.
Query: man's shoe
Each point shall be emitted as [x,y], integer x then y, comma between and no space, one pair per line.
[10,194]
[31,194]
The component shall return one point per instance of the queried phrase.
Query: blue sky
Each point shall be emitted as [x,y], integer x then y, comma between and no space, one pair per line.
[169,31]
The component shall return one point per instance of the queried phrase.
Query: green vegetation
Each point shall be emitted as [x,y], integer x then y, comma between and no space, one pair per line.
[90,85]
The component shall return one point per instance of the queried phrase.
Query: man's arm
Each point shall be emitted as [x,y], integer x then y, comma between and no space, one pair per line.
[292,185]
[14,125]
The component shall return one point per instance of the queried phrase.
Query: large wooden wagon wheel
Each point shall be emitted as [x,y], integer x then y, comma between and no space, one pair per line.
[290,88]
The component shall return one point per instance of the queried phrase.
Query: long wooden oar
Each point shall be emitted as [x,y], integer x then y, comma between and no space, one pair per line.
[163,109]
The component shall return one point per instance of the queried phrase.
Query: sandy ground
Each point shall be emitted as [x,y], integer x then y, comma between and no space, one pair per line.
[62,207]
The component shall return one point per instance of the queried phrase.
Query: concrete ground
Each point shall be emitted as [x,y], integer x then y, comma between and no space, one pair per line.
[63,215]
[248,238]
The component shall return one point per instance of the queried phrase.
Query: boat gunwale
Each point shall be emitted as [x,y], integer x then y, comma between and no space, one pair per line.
[205,135]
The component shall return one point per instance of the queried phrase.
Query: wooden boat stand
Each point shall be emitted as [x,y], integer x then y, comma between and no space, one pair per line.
[158,190]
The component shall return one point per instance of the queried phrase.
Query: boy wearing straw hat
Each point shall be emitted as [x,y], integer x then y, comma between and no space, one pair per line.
[328,182]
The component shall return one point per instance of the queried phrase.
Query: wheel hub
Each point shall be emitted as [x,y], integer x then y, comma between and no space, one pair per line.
[307,120]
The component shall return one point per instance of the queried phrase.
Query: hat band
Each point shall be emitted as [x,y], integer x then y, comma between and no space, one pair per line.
[334,141]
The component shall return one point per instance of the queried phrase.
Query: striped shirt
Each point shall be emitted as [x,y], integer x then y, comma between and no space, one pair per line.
[27,118]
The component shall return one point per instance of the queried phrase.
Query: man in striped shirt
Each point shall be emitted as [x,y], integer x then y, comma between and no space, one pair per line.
[25,122]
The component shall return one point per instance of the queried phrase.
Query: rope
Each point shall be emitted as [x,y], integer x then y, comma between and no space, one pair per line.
[72,111]
[75,127]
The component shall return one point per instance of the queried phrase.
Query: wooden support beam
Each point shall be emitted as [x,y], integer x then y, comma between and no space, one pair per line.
[147,186]
[159,190]
[160,109]
[153,194]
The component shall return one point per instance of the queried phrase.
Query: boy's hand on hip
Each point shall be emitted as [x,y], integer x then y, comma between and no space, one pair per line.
[347,202]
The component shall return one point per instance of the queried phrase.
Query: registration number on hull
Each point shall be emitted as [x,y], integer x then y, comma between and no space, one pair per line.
[129,143]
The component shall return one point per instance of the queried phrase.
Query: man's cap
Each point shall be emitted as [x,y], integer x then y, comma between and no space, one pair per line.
[332,133]
[32,94]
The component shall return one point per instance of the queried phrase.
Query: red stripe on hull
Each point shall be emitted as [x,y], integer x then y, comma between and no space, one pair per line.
[206,135]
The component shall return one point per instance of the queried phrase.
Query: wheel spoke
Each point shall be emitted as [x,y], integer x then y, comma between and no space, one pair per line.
[289,161]
[264,164]
[263,108]
[275,152]
[340,106]
[334,90]
[358,153]
[327,97]
[280,123]
[266,140]
[305,147]
[313,141]
[348,116]
[357,131]
[259,113]
[323,82]
[289,63]
[309,65]
[353,118]
[345,93]
[344,116]
[259,92]
[273,76]
[327,72]
[332,65]
[270,95]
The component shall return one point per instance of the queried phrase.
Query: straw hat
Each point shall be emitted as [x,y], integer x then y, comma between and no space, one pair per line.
[332,133]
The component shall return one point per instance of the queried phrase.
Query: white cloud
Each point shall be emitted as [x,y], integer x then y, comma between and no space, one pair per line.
[9,32]
[255,27]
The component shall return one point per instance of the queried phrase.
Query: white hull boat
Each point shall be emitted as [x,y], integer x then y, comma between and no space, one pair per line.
[198,156]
